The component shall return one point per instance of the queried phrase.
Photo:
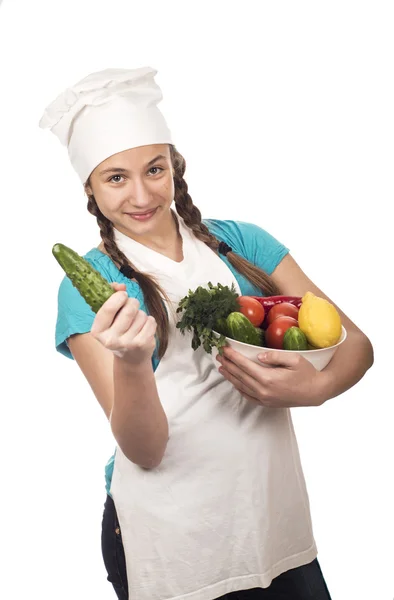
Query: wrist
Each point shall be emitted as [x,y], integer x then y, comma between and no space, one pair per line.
[124,365]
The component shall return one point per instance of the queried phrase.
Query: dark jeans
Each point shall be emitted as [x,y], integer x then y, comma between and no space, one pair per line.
[304,583]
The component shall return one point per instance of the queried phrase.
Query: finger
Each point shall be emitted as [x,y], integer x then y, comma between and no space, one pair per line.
[252,399]
[256,381]
[106,314]
[288,360]
[247,393]
[129,319]
[131,339]
[146,333]
[118,286]
[267,403]
[237,383]
[248,366]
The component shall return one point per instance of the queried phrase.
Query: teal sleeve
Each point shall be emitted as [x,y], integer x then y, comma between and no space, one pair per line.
[74,316]
[251,241]
[264,249]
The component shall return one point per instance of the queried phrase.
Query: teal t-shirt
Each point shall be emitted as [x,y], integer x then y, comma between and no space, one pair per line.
[246,239]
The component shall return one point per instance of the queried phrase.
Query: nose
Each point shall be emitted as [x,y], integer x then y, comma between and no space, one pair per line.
[141,195]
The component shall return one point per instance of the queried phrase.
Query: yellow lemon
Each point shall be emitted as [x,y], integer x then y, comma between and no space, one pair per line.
[320,321]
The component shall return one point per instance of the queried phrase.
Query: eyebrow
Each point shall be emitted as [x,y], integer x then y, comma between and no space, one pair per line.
[119,170]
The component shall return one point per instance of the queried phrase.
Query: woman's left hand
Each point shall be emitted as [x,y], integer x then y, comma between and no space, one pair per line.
[290,381]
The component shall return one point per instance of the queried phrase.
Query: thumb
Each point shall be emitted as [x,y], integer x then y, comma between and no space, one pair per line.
[118,286]
[274,358]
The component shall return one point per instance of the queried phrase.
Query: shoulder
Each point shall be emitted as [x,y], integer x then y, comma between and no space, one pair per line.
[241,235]
[249,240]
[237,231]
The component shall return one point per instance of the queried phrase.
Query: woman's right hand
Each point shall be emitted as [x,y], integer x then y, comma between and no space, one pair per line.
[121,327]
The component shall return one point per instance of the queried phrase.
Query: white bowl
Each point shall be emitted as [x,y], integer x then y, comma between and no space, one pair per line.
[319,357]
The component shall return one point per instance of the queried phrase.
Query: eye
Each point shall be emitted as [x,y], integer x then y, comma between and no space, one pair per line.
[159,169]
[113,177]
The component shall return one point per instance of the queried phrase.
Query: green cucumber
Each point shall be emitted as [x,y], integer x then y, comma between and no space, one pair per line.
[295,339]
[241,329]
[92,286]
[221,326]
[261,336]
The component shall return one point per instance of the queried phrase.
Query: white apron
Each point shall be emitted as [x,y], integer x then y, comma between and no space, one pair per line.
[227,509]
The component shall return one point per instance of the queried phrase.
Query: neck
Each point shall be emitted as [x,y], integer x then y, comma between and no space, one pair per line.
[165,239]
[166,234]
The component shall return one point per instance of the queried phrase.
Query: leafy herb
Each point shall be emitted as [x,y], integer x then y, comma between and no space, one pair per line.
[202,310]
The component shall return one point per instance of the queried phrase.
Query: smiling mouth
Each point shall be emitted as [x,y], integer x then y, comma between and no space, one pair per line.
[144,215]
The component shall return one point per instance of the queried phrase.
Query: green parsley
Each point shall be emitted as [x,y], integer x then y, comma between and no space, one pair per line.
[202,310]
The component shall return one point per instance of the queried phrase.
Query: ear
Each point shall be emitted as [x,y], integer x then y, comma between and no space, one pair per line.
[88,189]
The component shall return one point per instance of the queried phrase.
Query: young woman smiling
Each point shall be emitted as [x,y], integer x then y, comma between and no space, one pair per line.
[205,494]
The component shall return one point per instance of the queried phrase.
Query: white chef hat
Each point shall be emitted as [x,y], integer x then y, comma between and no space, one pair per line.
[105,113]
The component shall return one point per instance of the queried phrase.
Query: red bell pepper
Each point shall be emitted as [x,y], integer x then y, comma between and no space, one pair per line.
[269,301]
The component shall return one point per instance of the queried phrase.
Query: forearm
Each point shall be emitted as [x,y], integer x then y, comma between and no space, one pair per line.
[348,365]
[138,420]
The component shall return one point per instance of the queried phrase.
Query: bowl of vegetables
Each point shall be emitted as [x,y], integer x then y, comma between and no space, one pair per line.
[218,317]
[319,357]
[309,326]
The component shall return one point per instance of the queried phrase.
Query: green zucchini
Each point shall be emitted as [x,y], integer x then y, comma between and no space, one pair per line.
[92,286]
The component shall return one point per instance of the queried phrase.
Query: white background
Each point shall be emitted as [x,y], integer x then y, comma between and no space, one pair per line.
[284,113]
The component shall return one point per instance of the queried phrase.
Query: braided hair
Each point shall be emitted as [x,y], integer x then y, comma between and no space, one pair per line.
[152,291]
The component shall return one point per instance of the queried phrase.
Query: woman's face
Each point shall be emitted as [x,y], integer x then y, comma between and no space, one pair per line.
[134,189]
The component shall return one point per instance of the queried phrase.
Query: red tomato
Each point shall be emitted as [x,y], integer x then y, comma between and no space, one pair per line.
[252,309]
[283,309]
[275,332]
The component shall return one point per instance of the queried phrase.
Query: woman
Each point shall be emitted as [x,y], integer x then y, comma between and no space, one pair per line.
[205,493]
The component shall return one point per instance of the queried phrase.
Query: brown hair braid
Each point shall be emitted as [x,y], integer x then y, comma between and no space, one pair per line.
[152,291]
